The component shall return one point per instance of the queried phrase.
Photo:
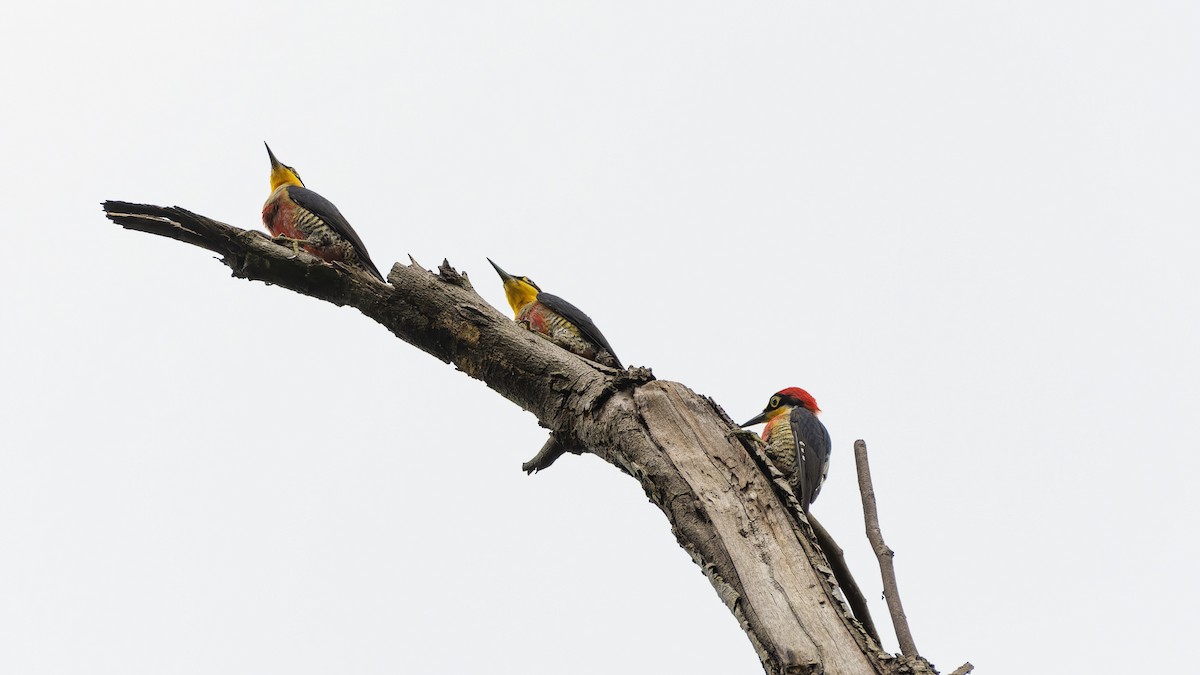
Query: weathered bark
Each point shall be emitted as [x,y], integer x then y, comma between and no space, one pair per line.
[841,571]
[734,519]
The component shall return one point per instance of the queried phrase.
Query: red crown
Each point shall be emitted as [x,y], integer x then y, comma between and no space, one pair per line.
[805,397]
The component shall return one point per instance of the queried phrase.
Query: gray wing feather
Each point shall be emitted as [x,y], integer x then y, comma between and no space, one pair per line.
[576,316]
[812,453]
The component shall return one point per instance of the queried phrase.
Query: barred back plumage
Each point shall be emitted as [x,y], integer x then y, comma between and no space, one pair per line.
[556,319]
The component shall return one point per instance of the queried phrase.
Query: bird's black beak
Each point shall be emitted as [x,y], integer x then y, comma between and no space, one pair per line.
[758,419]
[503,275]
[274,162]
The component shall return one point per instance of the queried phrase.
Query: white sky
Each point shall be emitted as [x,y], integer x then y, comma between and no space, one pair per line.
[968,228]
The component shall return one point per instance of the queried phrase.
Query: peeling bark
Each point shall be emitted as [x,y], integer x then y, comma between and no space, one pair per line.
[736,520]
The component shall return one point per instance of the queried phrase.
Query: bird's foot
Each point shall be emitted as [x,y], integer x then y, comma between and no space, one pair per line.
[294,242]
[746,435]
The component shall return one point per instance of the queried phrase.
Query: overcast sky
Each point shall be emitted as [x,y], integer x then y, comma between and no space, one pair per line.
[969,229]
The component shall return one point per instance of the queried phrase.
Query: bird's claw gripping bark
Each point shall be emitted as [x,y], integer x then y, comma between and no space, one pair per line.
[746,435]
[294,242]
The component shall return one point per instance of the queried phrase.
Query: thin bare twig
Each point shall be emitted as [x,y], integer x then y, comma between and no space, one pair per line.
[882,552]
[963,669]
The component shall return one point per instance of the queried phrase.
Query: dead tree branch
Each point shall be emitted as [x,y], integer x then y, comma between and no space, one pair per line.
[888,570]
[721,507]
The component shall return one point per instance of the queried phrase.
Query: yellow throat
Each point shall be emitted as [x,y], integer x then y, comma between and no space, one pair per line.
[519,293]
[282,174]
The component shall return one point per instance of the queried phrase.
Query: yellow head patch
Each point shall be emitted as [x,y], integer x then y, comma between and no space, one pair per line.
[520,292]
[781,410]
[282,174]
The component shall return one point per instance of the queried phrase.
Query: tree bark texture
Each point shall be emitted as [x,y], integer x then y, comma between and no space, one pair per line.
[734,518]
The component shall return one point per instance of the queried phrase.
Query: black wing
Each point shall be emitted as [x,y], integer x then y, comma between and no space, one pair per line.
[812,453]
[576,316]
[326,211]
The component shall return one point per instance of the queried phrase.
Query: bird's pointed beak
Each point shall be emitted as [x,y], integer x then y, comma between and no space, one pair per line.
[758,419]
[503,275]
[274,162]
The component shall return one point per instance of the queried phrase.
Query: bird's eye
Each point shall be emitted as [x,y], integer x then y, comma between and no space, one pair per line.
[774,401]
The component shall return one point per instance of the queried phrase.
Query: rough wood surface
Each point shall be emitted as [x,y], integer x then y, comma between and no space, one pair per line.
[841,571]
[733,518]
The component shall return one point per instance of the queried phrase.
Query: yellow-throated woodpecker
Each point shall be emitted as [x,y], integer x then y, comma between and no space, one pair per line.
[310,221]
[797,442]
[556,319]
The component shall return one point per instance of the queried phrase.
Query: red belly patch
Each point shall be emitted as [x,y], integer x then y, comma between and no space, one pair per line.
[277,216]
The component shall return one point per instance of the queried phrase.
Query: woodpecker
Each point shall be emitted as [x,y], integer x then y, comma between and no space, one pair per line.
[556,319]
[310,221]
[797,442]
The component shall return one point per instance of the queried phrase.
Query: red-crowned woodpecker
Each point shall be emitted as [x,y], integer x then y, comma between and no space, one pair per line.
[797,442]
